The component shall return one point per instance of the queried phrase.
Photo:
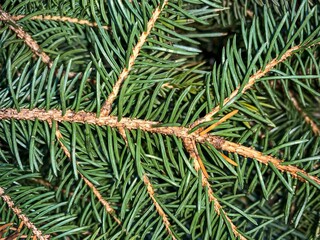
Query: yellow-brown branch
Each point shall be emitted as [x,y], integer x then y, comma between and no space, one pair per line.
[219,209]
[265,159]
[252,80]
[308,120]
[150,126]
[14,236]
[95,191]
[159,209]
[191,147]
[123,134]
[107,106]
[112,121]
[37,232]
[60,19]
[32,44]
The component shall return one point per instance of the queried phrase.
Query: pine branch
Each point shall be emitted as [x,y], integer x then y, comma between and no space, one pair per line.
[123,134]
[60,19]
[151,126]
[191,147]
[307,119]
[48,185]
[95,191]
[22,216]
[265,159]
[107,106]
[44,183]
[165,96]
[160,211]
[252,80]
[32,44]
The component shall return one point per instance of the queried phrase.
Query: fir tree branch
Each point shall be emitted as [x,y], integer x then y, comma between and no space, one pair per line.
[160,211]
[37,232]
[32,44]
[59,138]
[60,19]
[176,29]
[251,153]
[307,119]
[112,121]
[107,106]
[198,165]
[95,191]
[151,126]
[252,80]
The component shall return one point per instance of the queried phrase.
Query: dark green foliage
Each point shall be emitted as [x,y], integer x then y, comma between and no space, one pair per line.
[198,53]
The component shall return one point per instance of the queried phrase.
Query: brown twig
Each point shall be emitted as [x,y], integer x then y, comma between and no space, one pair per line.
[150,126]
[191,148]
[43,183]
[61,19]
[37,232]
[190,145]
[160,211]
[112,121]
[308,120]
[259,74]
[189,140]
[95,191]
[265,159]
[107,106]
[33,45]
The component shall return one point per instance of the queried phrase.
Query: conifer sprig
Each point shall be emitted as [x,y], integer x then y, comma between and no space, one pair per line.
[95,191]
[151,126]
[308,120]
[37,232]
[180,151]
[60,19]
[4,16]
[252,80]
[107,106]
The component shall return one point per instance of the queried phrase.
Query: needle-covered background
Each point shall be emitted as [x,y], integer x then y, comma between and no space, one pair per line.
[194,119]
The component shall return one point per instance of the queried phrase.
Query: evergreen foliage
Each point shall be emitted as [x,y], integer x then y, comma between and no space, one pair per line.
[160,119]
